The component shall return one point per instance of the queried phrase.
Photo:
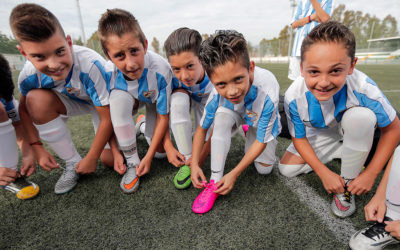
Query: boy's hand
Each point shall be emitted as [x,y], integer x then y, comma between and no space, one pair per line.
[226,184]
[7,175]
[196,174]
[86,166]
[174,157]
[332,182]
[393,227]
[119,165]
[144,166]
[28,165]
[362,184]
[375,209]
[45,159]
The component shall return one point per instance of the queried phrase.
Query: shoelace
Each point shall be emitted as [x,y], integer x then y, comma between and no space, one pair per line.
[378,229]
[347,194]
[209,190]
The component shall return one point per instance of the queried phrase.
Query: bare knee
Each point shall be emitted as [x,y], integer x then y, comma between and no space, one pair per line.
[107,158]
[44,105]
[3,113]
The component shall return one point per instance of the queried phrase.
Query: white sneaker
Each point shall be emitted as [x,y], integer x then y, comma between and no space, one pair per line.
[130,181]
[68,179]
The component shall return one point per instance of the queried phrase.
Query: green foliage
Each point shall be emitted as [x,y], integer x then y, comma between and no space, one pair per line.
[78,41]
[8,45]
[94,43]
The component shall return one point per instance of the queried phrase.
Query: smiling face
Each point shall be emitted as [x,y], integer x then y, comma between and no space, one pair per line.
[127,53]
[187,68]
[232,80]
[52,57]
[325,67]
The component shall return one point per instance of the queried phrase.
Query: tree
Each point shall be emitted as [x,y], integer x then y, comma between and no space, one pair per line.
[156,45]
[8,45]
[78,41]
[263,47]
[205,36]
[94,43]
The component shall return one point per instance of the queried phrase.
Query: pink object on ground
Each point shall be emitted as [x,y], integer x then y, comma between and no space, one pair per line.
[205,201]
[245,127]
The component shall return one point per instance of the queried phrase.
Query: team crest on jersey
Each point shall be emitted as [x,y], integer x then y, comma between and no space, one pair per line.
[251,115]
[72,91]
[149,94]
[199,94]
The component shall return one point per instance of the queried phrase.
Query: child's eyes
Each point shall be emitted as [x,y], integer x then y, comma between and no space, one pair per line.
[239,79]
[190,66]
[336,71]
[134,51]
[312,72]
[220,85]
[60,52]
[38,57]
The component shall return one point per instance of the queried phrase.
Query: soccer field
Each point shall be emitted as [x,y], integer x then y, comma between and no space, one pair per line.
[262,212]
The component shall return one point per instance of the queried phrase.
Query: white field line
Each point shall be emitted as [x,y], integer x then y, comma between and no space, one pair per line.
[391,91]
[341,228]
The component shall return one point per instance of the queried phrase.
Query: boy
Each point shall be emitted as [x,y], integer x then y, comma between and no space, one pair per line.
[332,102]
[244,94]
[57,81]
[190,90]
[11,133]
[384,209]
[138,78]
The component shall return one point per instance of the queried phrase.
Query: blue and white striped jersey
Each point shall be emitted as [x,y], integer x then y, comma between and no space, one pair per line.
[306,115]
[11,109]
[304,9]
[86,82]
[154,86]
[197,92]
[259,108]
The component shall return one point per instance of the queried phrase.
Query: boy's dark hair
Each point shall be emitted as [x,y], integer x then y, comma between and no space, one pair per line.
[224,46]
[183,40]
[118,22]
[6,82]
[33,23]
[331,31]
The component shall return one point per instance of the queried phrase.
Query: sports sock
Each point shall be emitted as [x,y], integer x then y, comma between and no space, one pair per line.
[393,188]
[358,126]
[181,123]
[220,144]
[9,148]
[121,104]
[57,135]
[263,169]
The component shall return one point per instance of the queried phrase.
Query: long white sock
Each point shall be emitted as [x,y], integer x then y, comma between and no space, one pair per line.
[121,105]
[393,188]
[57,135]
[9,148]
[220,144]
[358,126]
[181,123]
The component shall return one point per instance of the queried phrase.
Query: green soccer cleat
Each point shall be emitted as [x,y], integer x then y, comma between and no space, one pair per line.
[182,178]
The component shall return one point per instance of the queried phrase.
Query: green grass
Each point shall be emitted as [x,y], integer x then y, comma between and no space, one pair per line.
[260,212]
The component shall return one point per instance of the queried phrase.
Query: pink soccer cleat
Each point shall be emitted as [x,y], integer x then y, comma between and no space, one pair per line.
[205,201]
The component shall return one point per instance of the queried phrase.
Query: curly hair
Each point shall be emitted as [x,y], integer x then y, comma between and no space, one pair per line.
[222,47]
[6,82]
[331,31]
[182,40]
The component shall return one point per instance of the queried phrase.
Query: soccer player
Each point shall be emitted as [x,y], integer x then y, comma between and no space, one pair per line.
[332,102]
[11,133]
[243,94]
[191,88]
[138,78]
[384,209]
[60,80]
[308,15]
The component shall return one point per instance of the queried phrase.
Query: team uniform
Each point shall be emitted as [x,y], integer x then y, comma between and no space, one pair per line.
[350,115]
[84,88]
[152,90]
[259,111]
[304,9]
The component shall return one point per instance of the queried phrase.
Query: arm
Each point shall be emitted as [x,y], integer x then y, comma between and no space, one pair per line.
[174,156]
[119,165]
[198,141]
[28,158]
[228,181]
[104,131]
[321,15]
[158,136]
[332,182]
[390,137]
[44,158]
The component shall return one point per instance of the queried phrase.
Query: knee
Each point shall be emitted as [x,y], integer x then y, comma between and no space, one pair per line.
[263,168]
[358,121]
[180,103]
[290,170]
[3,113]
[41,103]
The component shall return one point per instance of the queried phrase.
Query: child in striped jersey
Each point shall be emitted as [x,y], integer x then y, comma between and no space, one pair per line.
[190,90]
[332,102]
[11,133]
[61,80]
[138,77]
[243,94]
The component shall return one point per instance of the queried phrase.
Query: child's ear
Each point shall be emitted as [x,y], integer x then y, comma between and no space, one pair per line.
[301,69]
[251,67]
[353,65]
[145,46]
[21,50]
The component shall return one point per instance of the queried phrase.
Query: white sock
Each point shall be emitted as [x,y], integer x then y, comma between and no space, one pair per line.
[393,188]
[263,169]
[181,123]
[121,104]
[220,144]
[9,148]
[57,135]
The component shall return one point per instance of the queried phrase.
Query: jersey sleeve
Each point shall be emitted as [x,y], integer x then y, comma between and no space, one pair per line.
[27,81]
[164,84]
[96,84]
[296,127]
[209,110]
[268,125]
[327,7]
